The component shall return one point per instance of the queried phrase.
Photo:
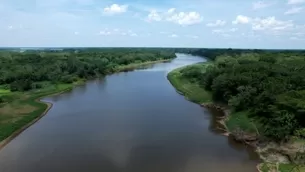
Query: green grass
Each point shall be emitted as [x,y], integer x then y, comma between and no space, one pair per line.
[192,91]
[291,168]
[271,167]
[242,121]
[264,167]
[4,91]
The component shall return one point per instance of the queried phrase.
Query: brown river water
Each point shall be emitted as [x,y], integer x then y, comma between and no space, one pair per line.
[127,122]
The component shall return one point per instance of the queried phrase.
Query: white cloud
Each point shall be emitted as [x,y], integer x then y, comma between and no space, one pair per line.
[222,31]
[76,33]
[293,2]
[261,4]
[233,29]
[294,10]
[173,36]
[10,27]
[297,38]
[116,31]
[185,18]
[104,32]
[271,24]
[154,16]
[217,23]
[171,10]
[251,35]
[181,18]
[136,15]
[240,19]
[299,34]
[115,9]
[133,34]
[218,31]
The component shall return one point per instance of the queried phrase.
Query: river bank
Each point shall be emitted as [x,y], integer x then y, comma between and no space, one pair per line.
[27,108]
[277,157]
[132,125]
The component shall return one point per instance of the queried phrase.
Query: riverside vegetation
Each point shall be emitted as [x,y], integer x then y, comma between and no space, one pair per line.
[264,92]
[29,75]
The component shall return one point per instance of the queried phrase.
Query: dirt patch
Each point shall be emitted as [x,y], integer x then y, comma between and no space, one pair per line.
[291,152]
[25,109]
[16,110]
[25,97]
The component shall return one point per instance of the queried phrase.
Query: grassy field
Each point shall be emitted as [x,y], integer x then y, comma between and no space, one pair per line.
[192,91]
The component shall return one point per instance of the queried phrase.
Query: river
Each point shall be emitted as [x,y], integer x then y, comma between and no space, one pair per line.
[127,122]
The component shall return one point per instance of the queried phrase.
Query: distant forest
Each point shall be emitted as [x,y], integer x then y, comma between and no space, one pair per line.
[25,70]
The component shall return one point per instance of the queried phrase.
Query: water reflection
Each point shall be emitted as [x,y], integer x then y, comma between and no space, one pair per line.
[101,83]
[183,60]
[81,89]
[218,128]
[58,97]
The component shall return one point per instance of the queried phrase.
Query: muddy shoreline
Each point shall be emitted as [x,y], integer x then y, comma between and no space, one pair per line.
[247,138]
[269,152]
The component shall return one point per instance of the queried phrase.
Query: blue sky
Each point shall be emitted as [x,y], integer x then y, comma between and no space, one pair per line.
[153,23]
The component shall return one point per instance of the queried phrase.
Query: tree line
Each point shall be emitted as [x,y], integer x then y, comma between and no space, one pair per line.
[25,70]
[269,85]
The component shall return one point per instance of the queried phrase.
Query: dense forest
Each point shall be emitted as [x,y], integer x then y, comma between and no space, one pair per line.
[212,54]
[268,85]
[22,71]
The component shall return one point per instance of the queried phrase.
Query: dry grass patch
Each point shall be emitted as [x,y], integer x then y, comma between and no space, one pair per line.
[16,110]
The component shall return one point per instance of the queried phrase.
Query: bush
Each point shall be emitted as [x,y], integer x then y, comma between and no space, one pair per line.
[193,73]
[67,79]
[37,85]
[21,85]
[300,133]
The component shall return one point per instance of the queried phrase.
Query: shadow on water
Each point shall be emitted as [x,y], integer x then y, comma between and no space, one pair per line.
[58,97]
[218,128]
